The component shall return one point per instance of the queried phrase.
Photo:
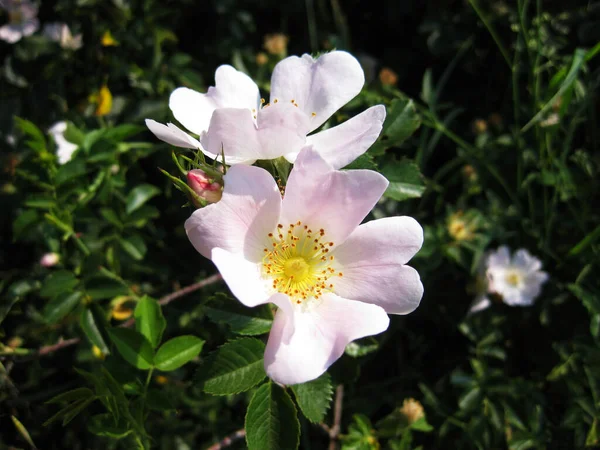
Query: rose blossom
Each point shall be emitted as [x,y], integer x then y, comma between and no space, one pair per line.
[332,279]
[22,20]
[517,279]
[305,92]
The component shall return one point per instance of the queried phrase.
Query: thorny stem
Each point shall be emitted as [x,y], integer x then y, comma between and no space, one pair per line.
[336,428]
[227,441]
[47,349]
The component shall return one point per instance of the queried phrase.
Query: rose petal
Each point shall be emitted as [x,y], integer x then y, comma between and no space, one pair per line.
[320,86]
[341,145]
[242,219]
[372,261]
[336,201]
[171,134]
[233,89]
[302,345]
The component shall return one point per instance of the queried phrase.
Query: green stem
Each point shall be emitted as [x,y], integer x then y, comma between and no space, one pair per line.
[492,31]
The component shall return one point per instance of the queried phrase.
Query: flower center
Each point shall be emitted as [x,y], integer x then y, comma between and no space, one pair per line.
[513,278]
[299,262]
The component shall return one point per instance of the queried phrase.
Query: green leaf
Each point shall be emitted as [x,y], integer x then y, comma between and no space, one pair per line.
[314,397]
[57,283]
[24,222]
[133,347]
[140,195]
[405,179]
[149,320]
[421,425]
[234,367]
[60,306]
[101,287]
[69,171]
[122,132]
[578,60]
[93,325]
[69,396]
[364,161]
[23,431]
[177,351]
[134,246]
[400,123]
[242,320]
[271,420]
[36,140]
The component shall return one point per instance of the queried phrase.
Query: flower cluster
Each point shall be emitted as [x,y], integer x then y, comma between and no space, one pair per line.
[301,246]
[23,22]
[517,280]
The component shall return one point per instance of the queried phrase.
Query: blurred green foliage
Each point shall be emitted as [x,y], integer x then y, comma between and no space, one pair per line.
[491,138]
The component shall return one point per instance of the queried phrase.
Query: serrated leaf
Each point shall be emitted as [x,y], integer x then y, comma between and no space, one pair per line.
[405,179]
[234,367]
[60,306]
[314,397]
[140,195]
[149,320]
[93,324]
[401,122]
[177,351]
[69,171]
[271,420]
[245,321]
[57,283]
[133,347]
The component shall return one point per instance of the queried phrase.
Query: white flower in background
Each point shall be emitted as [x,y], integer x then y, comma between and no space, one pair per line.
[517,279]
[22,20]
[332,279]
[60,32]
[305,92]
[50,259]
[64,148]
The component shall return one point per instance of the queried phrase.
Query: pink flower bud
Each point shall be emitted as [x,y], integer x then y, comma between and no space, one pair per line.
[50,259]
[202,186]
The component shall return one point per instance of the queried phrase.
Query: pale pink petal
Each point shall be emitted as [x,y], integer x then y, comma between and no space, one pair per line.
[372,262]
[243,277]
[320,86]
[500,258]
[341,145]
[171,134]
[10,33]
[395,288]
[323,198]
[282,128]
[524,260]
[391,240]
[233,89]
[480,303]
[304,344]
[242,219]
[233,131]
[29,27]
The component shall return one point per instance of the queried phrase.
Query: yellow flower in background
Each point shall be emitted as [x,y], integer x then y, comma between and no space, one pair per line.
[276,44]
[412,410]
[161,379]
[121,308]
[461,226]
[98,353]
[108,40]
[103,99]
